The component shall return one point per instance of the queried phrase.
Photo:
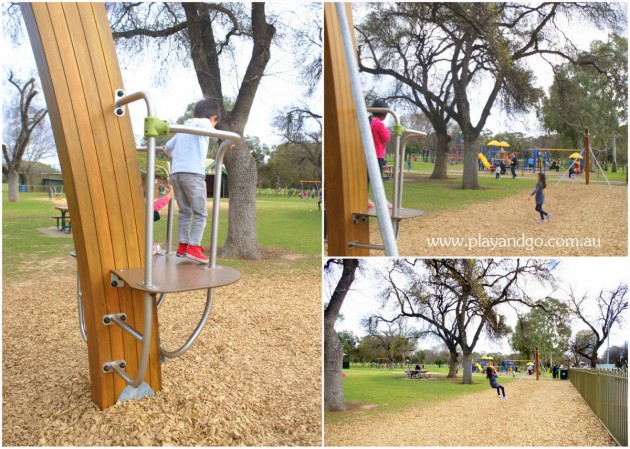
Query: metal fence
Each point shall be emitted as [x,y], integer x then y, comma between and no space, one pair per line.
[606,393]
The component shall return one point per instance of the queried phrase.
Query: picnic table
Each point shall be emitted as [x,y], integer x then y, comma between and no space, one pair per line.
[418,374]
[63,221]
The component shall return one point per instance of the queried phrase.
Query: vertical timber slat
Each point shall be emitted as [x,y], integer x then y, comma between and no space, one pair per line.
[79,72]
[345,170]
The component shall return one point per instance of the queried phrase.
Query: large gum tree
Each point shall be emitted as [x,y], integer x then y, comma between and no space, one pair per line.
[204,33]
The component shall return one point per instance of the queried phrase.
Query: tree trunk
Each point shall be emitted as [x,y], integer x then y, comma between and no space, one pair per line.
[452,367]
[333,370]
[242,237]
[13,179]
[593,360]
[467,368]
[333,349]
[614,154]
[471,168]
[441,158]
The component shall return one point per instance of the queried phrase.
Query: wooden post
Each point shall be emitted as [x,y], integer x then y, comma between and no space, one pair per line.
[537,362]
[79,72]
[587,156]
[345,170]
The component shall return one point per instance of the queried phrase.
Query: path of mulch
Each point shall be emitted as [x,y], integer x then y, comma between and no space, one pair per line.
[597,215]
[542,413]
[253,377]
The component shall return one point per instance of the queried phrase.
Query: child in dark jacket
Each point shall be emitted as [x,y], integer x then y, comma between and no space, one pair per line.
[492,376]
[540,197]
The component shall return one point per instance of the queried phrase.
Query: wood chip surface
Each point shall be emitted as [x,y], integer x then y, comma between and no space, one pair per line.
[597,215]
[252,378]
[543,413]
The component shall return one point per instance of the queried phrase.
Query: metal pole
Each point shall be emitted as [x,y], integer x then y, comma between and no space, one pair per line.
[216,203]
[537,362]
[385,224]
[196,332]
[169,226]
[587,156]
[146,347]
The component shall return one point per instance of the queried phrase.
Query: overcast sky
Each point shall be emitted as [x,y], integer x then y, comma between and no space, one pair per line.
[583,274]
[581,34]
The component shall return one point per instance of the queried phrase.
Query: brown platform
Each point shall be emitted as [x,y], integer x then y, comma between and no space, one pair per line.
[177,274]
[400,215]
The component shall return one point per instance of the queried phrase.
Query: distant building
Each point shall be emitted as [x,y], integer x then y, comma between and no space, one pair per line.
[210,174]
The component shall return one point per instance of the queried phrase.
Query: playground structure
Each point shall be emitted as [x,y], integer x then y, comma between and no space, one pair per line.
[350,150]
[307,187]
[118,296]
[383,362]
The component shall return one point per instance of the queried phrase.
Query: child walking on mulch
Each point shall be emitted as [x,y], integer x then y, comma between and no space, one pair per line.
[540,197]
[492,375]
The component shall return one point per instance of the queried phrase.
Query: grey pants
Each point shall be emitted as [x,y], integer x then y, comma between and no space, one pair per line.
[190,194]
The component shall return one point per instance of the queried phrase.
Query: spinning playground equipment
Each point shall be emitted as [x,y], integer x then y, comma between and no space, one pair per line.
[120,280]
[350,148]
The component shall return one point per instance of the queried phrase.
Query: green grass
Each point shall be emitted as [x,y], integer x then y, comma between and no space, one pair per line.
[429,195]
[392,390]
[287,226]
[427,167]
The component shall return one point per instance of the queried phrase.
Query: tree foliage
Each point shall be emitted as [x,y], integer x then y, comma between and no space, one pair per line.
[459,299]
[593,96]
[548,329]
[437,55]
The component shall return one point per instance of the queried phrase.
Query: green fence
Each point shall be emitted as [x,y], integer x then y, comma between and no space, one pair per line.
[606,393]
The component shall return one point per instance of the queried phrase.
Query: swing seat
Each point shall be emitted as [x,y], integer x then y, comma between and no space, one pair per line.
[178,274]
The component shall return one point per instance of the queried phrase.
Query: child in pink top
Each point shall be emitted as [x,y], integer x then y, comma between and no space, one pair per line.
[381,135]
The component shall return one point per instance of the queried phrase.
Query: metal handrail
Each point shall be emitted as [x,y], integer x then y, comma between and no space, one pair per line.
[385,224]
[229,139]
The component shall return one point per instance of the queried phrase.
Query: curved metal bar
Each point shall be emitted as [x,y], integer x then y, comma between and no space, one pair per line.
[148,226]
[196,332]
[146,346]
[215,133]
[161,299]
[216,202]
[80,306]
[385,224]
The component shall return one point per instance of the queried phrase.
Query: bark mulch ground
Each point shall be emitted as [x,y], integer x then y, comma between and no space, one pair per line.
[542,413]
[253,377]
[597,215]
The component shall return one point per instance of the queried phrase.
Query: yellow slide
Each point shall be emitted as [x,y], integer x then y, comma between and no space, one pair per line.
[484,161]
[476,363]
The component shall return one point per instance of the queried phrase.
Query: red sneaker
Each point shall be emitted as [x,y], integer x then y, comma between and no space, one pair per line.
[196,253]
[181,249]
